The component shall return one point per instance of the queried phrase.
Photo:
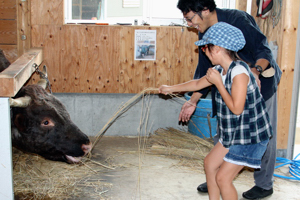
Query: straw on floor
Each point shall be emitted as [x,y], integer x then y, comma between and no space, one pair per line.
[37,178]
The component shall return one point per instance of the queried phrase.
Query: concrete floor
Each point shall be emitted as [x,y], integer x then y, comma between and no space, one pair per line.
[147,177]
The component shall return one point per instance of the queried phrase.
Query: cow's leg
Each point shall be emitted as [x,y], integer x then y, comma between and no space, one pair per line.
[6,173]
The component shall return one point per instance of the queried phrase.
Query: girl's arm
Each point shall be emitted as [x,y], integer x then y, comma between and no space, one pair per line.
[236,101]
[192,85]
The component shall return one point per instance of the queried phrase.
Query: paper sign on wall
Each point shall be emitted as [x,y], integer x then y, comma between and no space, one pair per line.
[145,45]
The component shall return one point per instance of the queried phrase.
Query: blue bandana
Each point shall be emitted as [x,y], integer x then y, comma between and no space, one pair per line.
[223,35]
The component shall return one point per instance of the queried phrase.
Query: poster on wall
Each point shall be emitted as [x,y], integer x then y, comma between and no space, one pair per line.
[145,45]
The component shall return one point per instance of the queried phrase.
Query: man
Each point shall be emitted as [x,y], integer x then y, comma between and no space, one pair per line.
[201,14]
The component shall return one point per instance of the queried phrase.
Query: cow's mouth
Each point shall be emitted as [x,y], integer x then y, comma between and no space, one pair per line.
[72,159]
[86,148]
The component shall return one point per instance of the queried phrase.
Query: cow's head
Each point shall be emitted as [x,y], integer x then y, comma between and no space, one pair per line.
[42,125]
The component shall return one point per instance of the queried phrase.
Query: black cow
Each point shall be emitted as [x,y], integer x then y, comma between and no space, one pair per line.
[4,63]
[41,124]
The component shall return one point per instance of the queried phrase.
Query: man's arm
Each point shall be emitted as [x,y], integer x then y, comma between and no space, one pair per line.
[189,107]
[264,64]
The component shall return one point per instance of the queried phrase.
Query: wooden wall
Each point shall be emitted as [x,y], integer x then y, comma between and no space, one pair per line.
[91,58]
[8,29]
[100,59]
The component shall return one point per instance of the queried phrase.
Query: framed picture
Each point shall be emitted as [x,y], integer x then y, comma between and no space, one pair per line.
[145,45]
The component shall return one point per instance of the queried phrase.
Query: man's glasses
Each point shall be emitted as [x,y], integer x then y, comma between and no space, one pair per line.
[190,20]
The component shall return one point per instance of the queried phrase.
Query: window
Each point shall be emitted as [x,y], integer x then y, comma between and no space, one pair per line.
[153,12]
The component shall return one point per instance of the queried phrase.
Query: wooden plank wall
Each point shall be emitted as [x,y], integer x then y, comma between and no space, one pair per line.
[100,59]
[285,35]
[92,59]
[8,29]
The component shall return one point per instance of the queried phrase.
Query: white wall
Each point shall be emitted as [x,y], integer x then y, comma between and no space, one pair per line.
[115,9]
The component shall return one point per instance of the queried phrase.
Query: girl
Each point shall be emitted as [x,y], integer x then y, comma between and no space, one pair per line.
[241,112]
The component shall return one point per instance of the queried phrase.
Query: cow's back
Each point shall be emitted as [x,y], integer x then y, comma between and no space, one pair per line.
[4,63]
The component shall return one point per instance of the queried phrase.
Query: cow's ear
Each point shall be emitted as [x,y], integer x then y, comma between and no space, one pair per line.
[20,122]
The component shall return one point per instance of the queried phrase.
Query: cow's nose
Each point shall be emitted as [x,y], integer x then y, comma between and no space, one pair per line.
[86,147]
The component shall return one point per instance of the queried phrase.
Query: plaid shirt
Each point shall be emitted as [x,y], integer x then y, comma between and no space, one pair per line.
[256,47]
[250,127]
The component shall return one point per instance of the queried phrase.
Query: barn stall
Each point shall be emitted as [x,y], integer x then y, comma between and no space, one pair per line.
[93,71]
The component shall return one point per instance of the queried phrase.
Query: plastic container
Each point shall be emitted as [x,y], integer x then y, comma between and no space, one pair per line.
[202,123]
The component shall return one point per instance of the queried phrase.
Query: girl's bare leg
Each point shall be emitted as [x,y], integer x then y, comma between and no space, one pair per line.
[212,163]
[224,179]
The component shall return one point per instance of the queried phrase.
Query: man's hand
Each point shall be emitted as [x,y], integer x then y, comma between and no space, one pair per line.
[189,107]
[256,75]
[187,110]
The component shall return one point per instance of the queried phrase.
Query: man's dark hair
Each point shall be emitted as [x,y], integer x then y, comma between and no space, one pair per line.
[196,5]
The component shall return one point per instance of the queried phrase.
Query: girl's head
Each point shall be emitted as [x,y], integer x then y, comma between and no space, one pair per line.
[223,35]
[209,47]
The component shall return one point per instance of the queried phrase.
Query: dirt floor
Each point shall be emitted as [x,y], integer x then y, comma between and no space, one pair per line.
[128,168]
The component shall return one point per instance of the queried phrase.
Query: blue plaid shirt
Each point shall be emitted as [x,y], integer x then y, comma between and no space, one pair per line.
[256,47]
[250,127]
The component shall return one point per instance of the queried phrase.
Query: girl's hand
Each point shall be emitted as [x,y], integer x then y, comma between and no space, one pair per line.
[165,89]
[213,76]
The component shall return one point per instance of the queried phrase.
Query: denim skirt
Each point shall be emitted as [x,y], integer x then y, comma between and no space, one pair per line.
[247,155]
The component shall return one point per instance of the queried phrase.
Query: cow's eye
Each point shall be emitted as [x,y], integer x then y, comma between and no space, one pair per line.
[47,122]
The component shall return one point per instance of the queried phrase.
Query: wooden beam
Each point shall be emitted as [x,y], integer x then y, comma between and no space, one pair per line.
[16,75]
[23,26]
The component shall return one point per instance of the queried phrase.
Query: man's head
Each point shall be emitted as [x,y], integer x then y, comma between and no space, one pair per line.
[199,14]
[196,6]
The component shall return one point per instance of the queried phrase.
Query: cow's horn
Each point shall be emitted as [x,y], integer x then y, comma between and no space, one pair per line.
[20,102]
[44,76]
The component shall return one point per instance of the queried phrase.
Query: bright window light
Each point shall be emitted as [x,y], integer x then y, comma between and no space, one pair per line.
[131,12]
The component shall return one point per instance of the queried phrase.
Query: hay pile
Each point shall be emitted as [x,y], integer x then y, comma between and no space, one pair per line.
[180,145]
[38,178]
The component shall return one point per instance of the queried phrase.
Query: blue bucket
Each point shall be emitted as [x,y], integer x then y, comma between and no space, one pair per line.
[202,123]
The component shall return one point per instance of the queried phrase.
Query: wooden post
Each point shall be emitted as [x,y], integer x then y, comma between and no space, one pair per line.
[241,5]
[287,64]
[24,26]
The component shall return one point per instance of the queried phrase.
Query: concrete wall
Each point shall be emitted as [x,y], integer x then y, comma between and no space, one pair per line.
[91,112]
